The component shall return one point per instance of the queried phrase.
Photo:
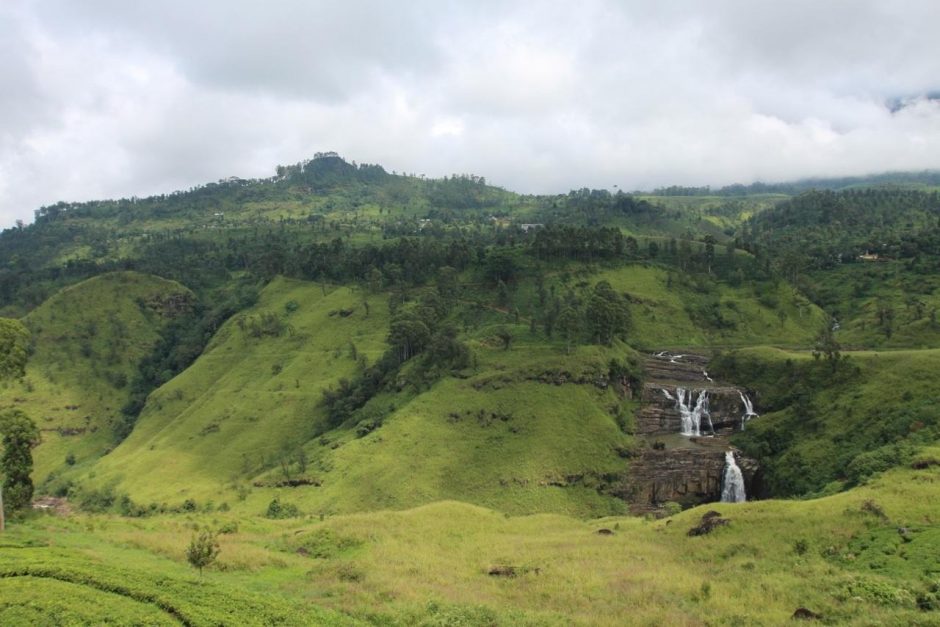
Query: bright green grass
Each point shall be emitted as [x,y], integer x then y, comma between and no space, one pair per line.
[246,401]
[859,291]
[35,601]
[661,312]
[525,430]
[88,340]
[840,556]
[836,433]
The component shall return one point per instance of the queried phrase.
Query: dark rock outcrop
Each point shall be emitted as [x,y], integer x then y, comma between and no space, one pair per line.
[687,470]
[802,613]
[688,476]
[710,521]
[659,414]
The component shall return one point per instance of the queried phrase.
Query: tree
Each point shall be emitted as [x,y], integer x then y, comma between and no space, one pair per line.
[607,314]
[408,335]
[827,346]
[447,283]
[569,322]
[501,266]
[19,435]
[505,336]
[202,550]
[14,339]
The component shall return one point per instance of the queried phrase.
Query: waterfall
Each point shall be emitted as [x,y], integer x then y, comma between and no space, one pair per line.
[692,416]
[732,481]
[668,395]
[748,409]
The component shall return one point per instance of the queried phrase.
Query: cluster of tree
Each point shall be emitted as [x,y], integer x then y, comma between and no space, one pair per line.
[822,229]
[792,188]
[462,192]
[181,341]
[599,316]
[327,171]
[595,207]
[419,335]
[18,433]
[581,243]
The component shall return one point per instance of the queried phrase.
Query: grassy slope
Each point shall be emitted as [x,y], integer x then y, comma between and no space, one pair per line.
[661,312]
[504,436]
[857,292]
[501,438]
[871,421]
[246,401]
[87,339]
[841,556]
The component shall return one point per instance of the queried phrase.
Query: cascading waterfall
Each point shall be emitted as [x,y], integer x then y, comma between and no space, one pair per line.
[732,481]
[748,409]
[692,416]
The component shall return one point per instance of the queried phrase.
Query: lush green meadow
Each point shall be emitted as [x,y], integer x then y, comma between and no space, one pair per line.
[864,557]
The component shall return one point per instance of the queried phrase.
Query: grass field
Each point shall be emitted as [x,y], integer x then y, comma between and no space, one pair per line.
[841,556]
[87,341]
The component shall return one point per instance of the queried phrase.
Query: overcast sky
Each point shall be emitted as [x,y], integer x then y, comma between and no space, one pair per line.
[111,98]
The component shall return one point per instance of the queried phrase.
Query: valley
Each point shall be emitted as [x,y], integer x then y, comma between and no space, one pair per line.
[393,400]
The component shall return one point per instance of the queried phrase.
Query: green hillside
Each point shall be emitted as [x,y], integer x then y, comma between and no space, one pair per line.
[402,401]
[865,557]
[530,429]
[826,429]
[248,402]
[87,341]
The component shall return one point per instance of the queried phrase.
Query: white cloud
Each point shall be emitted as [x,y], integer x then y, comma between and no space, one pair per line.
[106,98]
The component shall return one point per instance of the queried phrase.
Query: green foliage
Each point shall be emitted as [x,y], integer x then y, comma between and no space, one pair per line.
[821,229]
[203,550]
[504,334]
[14,344]
[671,508]
[18,435]
[607,314]
[266,324]
[180,342]
[877,592]
[569,326]
[277,509]
[818,426]
[169,591]
[827,346]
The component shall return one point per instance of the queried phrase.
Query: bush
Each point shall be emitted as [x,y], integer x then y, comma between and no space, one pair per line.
[878,592]
[671,508]
[276,509]
[202,550]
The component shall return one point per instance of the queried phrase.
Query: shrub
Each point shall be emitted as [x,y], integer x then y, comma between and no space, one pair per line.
[276,509]
[202,550]
[671,508]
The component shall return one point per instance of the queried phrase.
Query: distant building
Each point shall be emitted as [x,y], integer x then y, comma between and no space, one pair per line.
[529,227]
[869,257]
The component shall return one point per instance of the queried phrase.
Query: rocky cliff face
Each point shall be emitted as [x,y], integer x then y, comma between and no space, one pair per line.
[682,469]
[660,413]
[688,476]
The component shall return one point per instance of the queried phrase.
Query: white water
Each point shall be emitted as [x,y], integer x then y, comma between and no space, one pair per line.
[692,416]
[748,409]
[732,482]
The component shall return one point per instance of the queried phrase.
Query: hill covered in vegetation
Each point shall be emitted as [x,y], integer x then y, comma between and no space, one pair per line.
[351,349]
